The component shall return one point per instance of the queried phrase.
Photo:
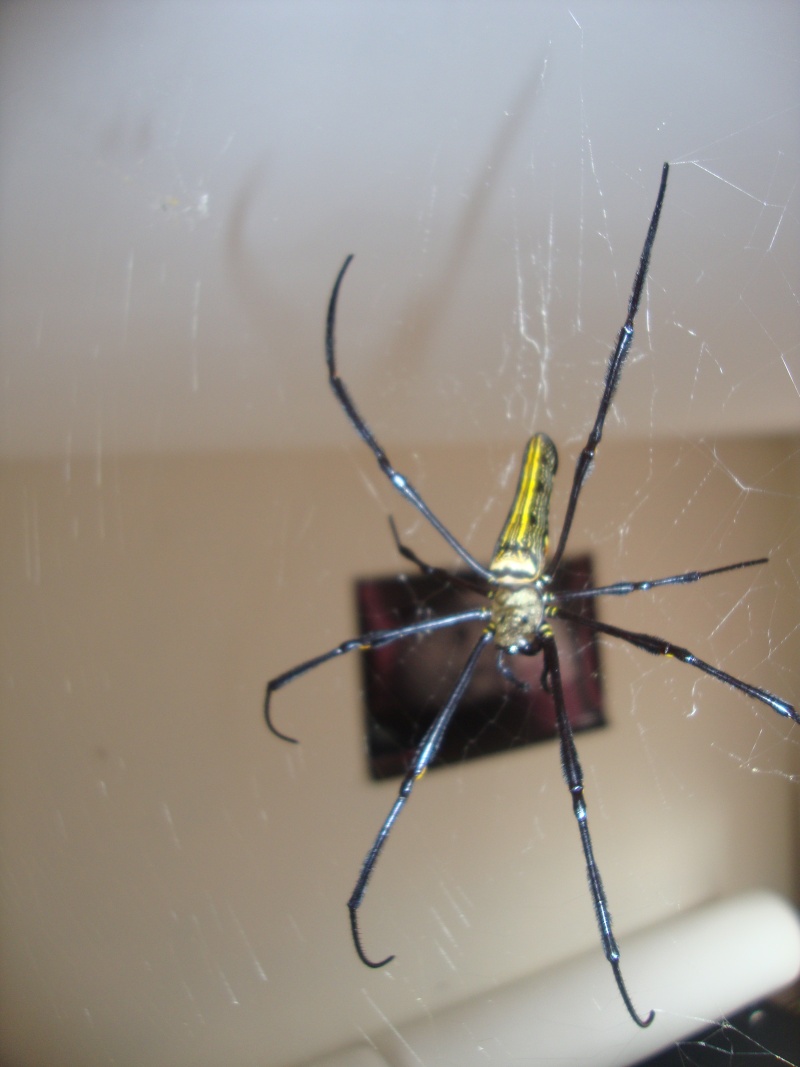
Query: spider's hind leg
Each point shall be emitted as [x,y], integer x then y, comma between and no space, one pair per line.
[429,570]
[398,480]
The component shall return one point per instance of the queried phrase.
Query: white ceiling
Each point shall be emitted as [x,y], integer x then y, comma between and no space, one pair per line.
[181,180]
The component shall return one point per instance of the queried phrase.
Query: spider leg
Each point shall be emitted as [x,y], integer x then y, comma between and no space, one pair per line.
[623,588]
[615,364]
[399,481]
[505,671]
[426,752]
[429,570]
[374,639]
[659,647]
[574,778]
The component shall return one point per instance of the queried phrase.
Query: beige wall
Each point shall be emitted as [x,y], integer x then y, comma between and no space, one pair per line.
[175,877]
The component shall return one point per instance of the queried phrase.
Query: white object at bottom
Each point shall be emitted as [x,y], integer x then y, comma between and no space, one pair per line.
[693,969]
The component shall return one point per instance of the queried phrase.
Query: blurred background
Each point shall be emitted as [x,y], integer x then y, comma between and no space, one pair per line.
[186,510]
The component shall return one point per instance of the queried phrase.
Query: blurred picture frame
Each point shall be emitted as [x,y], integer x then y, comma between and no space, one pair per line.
[406,683]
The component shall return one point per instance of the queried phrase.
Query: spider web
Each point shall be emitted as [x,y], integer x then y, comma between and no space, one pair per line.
[710,339]
[763,637]
[194,512]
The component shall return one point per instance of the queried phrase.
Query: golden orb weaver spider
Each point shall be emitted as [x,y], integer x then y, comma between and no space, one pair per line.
[521,604]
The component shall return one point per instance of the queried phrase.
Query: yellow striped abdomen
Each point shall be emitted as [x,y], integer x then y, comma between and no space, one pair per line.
[519,555]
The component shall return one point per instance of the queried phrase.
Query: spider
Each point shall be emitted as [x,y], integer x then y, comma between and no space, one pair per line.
[521,603]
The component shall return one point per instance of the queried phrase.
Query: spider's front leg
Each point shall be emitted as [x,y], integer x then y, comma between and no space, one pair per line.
[374,639]
[574,778]
[423,757]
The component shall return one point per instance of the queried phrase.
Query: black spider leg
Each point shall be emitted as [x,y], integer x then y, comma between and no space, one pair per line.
[574,778]
[373,639]
[399,481]
[615,364]
[659,647]
[459,583]
[504,669]
[428,748]
[429,570]
[623,588]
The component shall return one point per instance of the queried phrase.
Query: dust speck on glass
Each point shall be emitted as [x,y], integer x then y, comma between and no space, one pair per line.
[520,601]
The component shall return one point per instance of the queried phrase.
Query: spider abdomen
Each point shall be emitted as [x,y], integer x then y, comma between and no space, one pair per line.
[519,554]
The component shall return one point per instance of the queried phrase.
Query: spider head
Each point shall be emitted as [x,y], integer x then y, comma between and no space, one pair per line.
[517,616]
